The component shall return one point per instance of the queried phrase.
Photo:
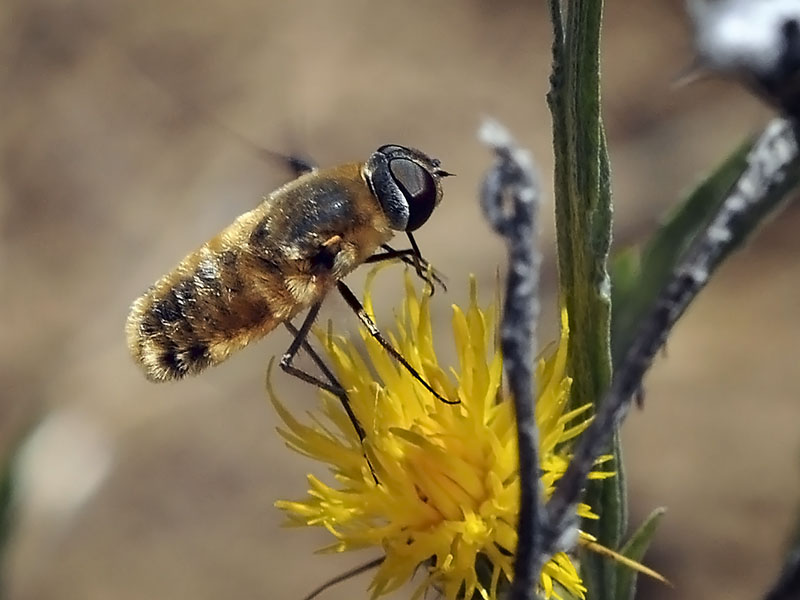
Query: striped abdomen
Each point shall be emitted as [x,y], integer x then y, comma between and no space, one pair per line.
[214,303]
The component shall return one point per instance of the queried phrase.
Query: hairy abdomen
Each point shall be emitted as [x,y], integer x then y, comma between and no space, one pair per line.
[214,303]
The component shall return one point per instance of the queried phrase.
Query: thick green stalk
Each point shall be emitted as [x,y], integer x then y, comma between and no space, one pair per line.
[583,224]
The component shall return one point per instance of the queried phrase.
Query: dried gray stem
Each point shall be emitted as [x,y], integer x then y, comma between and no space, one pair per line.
[772,170]
[510,199]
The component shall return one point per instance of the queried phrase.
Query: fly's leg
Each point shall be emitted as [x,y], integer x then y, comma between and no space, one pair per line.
[373,330]
[416,257]
[332,385]
[406,256]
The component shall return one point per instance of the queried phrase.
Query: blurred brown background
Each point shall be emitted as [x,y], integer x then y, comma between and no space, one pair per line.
[117,158]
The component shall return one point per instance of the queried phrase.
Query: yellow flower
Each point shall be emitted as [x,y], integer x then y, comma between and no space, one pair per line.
[447,490]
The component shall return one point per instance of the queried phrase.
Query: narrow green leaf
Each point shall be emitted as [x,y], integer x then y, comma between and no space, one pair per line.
[583,224]
[626,268]
[639,275]
[635,549]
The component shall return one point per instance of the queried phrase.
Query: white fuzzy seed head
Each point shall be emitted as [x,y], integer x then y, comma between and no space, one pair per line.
[742,36]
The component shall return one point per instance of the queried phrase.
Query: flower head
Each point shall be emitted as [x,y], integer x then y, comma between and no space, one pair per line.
[441,486]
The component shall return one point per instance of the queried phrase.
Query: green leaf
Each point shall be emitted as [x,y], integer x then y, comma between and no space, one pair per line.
[635,549]
[639,275]
[583,225]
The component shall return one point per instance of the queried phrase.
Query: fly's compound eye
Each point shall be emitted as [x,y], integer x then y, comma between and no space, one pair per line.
[406,183]
[418,187]
[389,149]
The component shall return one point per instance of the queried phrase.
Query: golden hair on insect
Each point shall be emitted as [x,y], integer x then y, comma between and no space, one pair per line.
[282,258]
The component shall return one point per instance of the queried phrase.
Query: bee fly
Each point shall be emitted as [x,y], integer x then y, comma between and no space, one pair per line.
[283,257]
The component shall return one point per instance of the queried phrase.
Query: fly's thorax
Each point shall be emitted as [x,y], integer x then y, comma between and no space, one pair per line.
[328,217]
